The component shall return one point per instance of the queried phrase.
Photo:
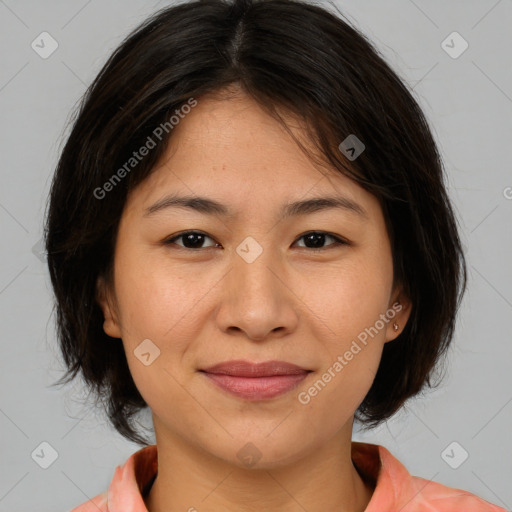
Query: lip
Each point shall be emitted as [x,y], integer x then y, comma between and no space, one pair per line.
[241,368]
[256,381]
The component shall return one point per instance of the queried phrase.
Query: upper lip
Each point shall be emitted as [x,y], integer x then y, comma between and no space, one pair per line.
[240,368]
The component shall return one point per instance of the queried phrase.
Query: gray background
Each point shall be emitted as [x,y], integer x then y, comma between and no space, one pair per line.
[468,101]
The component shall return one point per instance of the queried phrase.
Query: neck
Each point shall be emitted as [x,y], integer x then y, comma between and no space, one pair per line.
[190,479]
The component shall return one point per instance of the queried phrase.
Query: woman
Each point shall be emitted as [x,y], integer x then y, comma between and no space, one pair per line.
[249,233]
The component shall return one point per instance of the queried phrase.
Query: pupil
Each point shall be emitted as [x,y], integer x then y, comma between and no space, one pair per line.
[317,239]
[189,239]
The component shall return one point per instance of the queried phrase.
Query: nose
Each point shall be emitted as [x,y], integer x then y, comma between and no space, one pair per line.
[256,300]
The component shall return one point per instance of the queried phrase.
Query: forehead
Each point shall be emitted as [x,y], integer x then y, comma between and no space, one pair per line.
[231,149]
[235,133]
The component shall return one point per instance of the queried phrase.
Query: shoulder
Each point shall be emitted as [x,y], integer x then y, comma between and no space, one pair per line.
[124,491]
[396,489]
[447,499]
[96,504]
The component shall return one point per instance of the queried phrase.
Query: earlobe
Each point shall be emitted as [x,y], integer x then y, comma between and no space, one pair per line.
[111,323]
[398,313]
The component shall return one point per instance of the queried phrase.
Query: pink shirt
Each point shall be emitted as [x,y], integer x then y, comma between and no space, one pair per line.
[395,488]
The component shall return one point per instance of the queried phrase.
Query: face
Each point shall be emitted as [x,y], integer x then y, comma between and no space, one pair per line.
[251,284]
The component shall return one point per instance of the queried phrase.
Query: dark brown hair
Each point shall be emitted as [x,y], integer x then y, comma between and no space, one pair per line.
[290,56]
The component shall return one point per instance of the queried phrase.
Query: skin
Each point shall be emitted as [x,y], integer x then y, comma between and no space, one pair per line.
[201,306]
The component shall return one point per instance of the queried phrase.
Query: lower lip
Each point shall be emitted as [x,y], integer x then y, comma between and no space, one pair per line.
[257,388]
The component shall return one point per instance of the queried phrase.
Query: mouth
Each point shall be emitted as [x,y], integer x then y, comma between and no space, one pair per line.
[256,381]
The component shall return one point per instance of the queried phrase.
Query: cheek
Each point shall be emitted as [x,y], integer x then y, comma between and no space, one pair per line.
[351,350]
[155,299]
[348,299]
[348,305]
[166,306]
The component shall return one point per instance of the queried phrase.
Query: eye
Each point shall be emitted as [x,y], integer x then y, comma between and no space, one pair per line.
[191,240]
[313,240]
[317,238]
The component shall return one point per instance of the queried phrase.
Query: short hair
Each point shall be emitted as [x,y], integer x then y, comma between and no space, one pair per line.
[289,56]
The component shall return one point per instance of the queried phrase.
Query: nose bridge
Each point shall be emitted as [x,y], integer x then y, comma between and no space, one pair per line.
[252,266]
[256,300]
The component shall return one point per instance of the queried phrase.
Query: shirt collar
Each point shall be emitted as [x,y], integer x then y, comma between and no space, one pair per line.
[130,479]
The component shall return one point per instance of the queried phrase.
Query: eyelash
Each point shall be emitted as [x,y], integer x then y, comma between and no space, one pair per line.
[338,241]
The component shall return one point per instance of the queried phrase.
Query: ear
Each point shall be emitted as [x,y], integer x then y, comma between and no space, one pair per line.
[399,311]
[111,324]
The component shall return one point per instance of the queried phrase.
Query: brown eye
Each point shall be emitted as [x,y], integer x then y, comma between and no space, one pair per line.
[191,240]
[315,240]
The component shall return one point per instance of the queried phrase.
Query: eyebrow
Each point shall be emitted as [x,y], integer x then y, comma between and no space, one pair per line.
[209,206]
